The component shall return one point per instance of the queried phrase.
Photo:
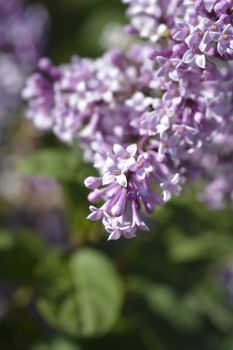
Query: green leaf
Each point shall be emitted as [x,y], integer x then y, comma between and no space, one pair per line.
[80,295]
[61,164]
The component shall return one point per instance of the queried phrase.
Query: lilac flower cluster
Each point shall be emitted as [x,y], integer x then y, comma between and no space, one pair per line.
[151,117]
[21,42]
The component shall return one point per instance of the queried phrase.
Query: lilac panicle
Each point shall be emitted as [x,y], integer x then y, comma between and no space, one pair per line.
[150,118]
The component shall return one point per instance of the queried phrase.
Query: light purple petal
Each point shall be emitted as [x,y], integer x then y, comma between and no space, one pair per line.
[108,178]
[200,61]
[122,180]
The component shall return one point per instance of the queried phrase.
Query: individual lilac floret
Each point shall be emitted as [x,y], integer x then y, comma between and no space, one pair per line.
[117,165]
[193,54]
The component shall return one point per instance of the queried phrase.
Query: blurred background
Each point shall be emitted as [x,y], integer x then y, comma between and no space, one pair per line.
[62,285]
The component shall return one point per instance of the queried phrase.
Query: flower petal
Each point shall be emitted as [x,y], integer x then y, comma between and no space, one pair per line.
[117,149]
[200,61]
[110,164]
[126,164]
[122,180]
[188,57]
[107,179]
[132,149]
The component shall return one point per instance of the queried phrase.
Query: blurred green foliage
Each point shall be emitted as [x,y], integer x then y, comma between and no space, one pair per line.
[77,26]
[81,294]
[157,292]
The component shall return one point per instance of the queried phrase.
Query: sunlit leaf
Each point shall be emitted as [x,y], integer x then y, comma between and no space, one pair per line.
[81,295]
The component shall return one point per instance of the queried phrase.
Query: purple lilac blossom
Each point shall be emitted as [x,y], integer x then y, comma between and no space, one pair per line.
[150,118]
[22,41]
